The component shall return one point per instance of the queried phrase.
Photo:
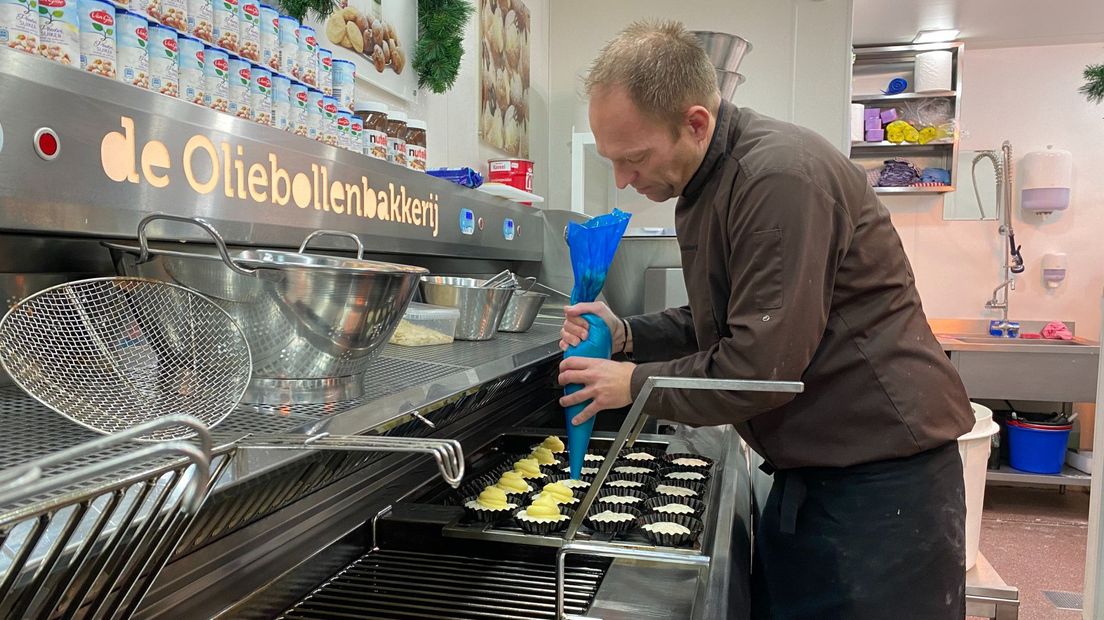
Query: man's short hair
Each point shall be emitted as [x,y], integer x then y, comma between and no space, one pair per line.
[661,65]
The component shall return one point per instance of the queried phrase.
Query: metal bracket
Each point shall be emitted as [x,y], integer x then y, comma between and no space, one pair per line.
[626,436]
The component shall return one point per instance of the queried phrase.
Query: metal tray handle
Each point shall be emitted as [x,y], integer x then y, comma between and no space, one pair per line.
[333,233]
[626,436]
[220,243]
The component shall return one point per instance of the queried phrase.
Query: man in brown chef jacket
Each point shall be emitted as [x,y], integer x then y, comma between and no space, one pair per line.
[794,272]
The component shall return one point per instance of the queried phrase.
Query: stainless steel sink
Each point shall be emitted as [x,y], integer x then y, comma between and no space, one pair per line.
[1023,368]
[996,340]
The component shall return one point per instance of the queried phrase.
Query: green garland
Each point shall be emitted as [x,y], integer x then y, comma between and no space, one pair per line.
[1093,88]
[440,45]
[298,8]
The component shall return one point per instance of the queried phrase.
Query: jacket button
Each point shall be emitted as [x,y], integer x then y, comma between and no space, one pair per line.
[766,317]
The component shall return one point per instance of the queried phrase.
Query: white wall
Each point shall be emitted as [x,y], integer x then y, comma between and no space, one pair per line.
[1027,95]
[798,69]
[453,117]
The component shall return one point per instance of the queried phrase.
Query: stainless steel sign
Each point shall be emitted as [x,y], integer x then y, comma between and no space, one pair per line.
[125,152]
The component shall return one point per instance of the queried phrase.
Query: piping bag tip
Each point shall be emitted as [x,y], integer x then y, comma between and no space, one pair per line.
[578,439]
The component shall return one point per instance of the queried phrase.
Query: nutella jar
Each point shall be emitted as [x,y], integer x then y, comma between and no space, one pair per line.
[374,134]
[416,144]
[396,138]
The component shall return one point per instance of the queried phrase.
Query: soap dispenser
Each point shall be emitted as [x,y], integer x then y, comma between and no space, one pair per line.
[1054,269]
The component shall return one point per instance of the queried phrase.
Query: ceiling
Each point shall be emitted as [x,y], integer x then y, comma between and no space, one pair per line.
[983,23]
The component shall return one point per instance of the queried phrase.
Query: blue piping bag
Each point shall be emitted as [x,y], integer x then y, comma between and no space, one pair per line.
[593,245]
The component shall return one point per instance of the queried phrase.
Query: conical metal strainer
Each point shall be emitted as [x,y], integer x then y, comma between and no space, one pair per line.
[111,353]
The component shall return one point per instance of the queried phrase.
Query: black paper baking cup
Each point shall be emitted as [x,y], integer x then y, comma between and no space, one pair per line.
[543,528]
[476,485]
[655,451]
[561,476]
[670,458]
[552,469]
[574,503]
[654,466]
[604,493]
[483,515]
[567,474]
[647,480]
[663,473]
[613,529]
[697,487]
[662,500]
[538,445]
[671,540]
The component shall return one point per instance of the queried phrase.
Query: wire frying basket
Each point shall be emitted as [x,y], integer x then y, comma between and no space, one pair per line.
[112,353]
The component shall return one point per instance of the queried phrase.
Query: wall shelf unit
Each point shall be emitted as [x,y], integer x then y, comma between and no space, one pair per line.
[874,67]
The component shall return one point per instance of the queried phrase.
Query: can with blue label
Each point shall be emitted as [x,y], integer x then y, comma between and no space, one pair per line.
[132,48]
[241,77]
[344,129]
[216,83]
[329,120]
[308,56]
[315,115]
[281,102]
[164,67]
[193,65]
[59,31]
[344,89]
[97,37]
[260,95]
[300,102]
[270,38]
[325,71]
[288,47]
[19,25]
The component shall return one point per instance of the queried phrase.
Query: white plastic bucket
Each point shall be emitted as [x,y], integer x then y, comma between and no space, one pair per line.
[973,447]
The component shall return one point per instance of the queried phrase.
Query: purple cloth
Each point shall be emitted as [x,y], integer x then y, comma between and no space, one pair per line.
[873,123]
[875,135]
[889,115]
[898,173]
[870,113]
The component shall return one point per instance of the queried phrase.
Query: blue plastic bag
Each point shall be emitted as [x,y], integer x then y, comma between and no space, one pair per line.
[592,246]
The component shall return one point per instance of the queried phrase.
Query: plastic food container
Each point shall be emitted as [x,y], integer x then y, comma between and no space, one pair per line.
[513,172]
[424,325]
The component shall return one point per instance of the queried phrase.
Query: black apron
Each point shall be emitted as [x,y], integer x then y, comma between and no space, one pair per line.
[877,540]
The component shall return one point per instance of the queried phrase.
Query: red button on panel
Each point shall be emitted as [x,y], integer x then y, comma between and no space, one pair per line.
[46,144]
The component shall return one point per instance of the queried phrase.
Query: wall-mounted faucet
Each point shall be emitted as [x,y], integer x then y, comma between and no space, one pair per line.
[1013,260]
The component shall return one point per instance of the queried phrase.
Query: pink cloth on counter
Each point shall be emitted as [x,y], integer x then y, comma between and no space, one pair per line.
[1056,330]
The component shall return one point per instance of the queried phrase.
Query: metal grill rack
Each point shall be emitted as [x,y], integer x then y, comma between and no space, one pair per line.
[406,397]
[395,584]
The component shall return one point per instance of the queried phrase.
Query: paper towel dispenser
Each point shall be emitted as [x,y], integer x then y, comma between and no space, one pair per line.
[1047,177]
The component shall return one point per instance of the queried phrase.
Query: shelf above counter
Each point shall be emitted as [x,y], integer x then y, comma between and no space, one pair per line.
[901,146]
[902,191]
[877,97]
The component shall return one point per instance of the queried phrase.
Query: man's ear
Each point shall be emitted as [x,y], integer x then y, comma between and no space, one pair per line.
[697,120]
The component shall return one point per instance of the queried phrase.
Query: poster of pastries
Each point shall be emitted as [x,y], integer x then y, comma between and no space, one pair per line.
[504,76]
[378,36]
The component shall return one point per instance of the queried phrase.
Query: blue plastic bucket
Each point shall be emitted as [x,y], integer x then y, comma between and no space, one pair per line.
[1037,451]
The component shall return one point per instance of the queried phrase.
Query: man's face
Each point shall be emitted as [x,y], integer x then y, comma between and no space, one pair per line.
[643,150]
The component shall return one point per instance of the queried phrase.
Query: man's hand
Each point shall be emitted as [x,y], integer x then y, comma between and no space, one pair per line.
[607,383]
[575,328]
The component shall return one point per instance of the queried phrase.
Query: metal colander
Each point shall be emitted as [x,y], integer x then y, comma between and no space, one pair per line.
[110,353]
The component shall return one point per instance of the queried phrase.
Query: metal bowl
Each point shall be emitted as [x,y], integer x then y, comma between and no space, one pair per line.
[481,309]
[724,50]
[727,81]
[314,323]
[521,311]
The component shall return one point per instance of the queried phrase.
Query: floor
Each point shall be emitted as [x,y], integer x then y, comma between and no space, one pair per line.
[1035,539]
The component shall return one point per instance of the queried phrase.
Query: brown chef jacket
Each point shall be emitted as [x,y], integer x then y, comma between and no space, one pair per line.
[795,272]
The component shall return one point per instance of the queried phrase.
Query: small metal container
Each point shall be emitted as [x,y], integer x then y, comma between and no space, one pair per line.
[481,309]
[724,50]
[521,311]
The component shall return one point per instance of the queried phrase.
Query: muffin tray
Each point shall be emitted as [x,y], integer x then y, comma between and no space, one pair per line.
[506,529]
